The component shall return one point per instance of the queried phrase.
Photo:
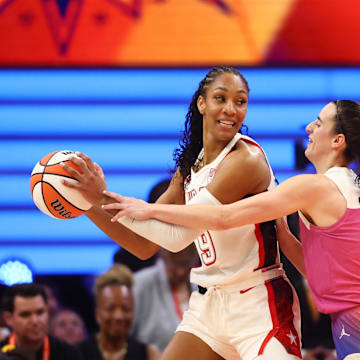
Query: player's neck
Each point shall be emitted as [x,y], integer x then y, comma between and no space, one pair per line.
[323,166]
[213,146]
[212,150]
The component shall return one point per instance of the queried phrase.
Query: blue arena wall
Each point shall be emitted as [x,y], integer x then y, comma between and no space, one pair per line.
[129,121]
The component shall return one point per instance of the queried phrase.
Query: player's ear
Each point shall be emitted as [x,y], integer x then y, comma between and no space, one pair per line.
[339,141]
[201,104]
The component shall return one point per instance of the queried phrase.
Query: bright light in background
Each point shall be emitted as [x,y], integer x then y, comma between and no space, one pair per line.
[15,272]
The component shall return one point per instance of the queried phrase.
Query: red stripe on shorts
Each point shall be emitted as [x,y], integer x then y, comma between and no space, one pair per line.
[280,299]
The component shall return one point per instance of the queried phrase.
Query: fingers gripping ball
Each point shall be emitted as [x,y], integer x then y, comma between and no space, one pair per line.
[49,194]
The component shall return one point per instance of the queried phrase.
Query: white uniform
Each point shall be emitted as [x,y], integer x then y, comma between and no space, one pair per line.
[245,303]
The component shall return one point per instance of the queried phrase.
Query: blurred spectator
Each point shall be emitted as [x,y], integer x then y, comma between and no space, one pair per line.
[162,293]
[68,326]
[26,313]
[114,314]
[317,342]
[11,353]
[52,299]
[4,330]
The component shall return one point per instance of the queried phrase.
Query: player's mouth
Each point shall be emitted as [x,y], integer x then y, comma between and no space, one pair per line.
[227,123]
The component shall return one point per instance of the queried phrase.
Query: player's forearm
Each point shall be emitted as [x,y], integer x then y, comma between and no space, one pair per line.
[190,216]
[256,209]
[264,206]
[134,243]
[212,217]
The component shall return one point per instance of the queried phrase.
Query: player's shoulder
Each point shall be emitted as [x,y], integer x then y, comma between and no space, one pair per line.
[315,180]
[247,156]
[314,185]
[249,149]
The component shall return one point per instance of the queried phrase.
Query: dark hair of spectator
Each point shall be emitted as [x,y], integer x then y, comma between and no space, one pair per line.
[23,290]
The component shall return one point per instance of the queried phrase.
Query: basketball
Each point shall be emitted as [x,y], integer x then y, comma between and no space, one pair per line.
[49,194]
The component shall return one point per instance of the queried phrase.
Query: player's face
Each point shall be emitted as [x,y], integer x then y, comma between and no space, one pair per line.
[29,319]
[115,311]
[321,133]
[224,106]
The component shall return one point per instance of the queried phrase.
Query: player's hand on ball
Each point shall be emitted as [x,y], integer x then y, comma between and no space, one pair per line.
[49,193]
[91,180]
[128,206]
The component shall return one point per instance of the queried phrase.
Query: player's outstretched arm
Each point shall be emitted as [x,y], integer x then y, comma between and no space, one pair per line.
[171,237]
[290,196]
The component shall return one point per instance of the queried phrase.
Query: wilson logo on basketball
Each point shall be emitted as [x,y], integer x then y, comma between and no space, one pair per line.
[67,152]
[59,207]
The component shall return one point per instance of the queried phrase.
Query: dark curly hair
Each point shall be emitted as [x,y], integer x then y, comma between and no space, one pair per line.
[347,122]
[192,141]
[23,290]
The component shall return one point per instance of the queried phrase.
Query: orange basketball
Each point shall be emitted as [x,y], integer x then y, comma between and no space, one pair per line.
[49,194]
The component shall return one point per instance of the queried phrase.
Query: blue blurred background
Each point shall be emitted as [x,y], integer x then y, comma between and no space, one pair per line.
[130,121]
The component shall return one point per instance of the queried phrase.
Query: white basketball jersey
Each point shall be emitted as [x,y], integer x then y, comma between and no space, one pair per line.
[229,255]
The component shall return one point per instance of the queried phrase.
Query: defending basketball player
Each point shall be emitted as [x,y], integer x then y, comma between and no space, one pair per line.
[329,209]
[244,308]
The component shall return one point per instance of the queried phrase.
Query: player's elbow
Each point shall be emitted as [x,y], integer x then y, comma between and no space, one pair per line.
[146,253]
[174,249]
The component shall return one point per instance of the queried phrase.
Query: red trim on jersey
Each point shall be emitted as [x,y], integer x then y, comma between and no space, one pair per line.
[267,339]
[280,299]
[272,303]
[275,320]
[252,142]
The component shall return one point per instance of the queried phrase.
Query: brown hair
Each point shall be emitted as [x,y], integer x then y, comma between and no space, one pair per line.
[118,274]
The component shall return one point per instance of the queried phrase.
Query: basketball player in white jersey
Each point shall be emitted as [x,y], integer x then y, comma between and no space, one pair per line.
[329,210]
[244,307]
